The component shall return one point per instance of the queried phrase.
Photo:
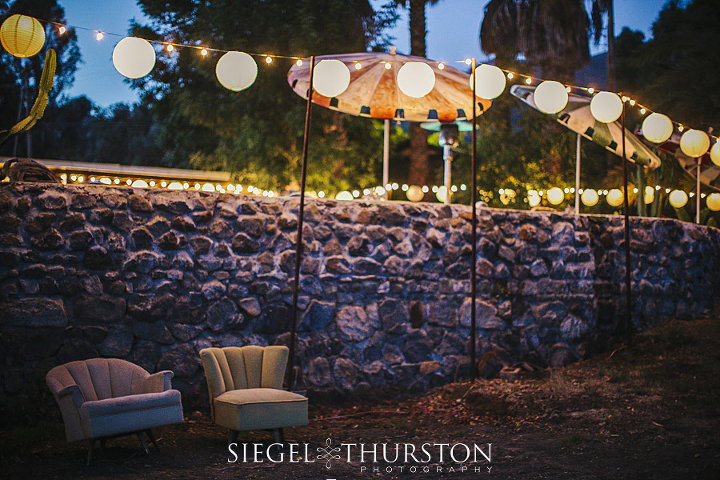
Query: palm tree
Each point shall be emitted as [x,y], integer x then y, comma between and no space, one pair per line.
[419,154]
[551,34]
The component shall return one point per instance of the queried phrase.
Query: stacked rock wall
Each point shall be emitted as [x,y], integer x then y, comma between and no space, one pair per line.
[155,276]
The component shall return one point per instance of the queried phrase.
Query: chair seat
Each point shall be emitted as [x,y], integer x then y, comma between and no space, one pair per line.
[260,408]
[113,416]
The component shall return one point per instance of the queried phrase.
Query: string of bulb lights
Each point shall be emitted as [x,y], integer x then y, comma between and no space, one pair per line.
[135,57]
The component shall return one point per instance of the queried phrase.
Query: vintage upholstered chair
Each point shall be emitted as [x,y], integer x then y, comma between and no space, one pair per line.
[245,388]
[107,397]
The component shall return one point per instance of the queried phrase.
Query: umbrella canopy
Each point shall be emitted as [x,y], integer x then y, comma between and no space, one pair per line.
[374,92]
[577,117]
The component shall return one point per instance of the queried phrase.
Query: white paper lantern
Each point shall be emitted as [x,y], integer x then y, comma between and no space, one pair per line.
[139,183]
[344,195]
[649,194]
[555,196]
[615,197]
[236,71]
[606,107]
[416,79]
[678,198]
[489,81]
[550,97]
[533,198]
[441,194]
[133,57]
[657,128]
[414,193]
[713,201]
[331,78]
[694,143]
[589,197]
[715,153]
[22,36]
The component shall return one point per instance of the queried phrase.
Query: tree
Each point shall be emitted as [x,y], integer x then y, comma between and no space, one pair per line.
[257,133]
[680,64]
[15,72]
[419,152]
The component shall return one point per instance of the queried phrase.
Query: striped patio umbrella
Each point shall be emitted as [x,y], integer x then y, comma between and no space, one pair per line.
[577,117]
[373,91]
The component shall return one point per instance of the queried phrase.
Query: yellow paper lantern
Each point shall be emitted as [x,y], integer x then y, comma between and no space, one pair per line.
[550,97]
[715,153]
[416,79]
[331,78]
[414,193]
[678,198]
[713,201]
[489,81]
[344,195]
[555,196]
[133,57]
[615,197]
[649,194]
[22,36]
[236,71]
[589,197]
[606,107]
[694,143]
[657,128]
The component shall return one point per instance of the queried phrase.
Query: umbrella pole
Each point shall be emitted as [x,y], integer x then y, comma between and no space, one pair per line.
[577,176]
[386,157]
[697,209]
[628,297]
[473,262]
[447,157]
[298,240]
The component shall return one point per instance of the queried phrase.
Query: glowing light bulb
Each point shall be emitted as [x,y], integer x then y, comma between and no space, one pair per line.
[358,66]
[99,36]
[268,60]
[528,81]
[441,66]
[642,111]
[388,66]
[62,29]
[591,90]
[203,52]
[510,75]
[299,63]
[170,48]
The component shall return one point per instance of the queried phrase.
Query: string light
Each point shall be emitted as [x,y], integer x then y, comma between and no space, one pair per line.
[358,66]
[99,35]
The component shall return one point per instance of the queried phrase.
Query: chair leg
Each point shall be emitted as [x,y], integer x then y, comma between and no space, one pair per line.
[90,451]
[151,436]
[142,440]
[233,436]
[279,435]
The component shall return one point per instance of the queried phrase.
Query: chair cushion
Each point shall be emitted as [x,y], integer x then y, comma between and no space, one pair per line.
[113,416]
[260,408]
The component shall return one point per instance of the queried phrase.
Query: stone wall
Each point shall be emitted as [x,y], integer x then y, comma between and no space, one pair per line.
[155,276]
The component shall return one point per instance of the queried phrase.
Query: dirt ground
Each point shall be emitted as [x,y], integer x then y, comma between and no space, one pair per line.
[647,412]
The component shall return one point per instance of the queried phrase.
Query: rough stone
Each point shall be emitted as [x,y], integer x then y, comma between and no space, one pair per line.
[317,316]
[99,308]
[223,315]
[34,312]
[352,324]
[182,360]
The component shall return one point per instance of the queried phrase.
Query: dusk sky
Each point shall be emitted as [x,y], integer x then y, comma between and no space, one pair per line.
[453,27]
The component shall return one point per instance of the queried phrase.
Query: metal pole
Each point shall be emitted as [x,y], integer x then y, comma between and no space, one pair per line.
[447,157]
[386,157]
[697,209]
[298,240]
[473,262]
[628,297]
[577,176]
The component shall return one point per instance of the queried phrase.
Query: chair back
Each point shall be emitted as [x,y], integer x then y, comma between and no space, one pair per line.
[234,368]
[98,378]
